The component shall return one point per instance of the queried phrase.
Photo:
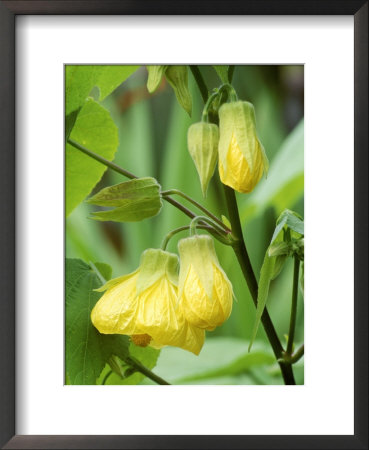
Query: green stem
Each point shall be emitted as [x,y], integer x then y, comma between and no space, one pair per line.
[106,377]
[240,250]
[200,82]
[102,160]
[134,363]
[174,232]
[198,205]
[299,353]
[291,333]
[196,219]
[127,174]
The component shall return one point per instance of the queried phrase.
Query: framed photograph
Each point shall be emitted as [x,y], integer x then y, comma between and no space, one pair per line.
[162,168]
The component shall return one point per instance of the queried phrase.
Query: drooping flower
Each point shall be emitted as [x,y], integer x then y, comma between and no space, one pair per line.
[205,292]
[144,305]
[202,142]
[242,158]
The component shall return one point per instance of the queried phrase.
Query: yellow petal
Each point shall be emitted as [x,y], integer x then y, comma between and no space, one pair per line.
[238,174]
[198,308]
[115,312]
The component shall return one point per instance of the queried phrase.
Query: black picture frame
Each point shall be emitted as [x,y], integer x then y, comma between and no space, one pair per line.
[8,12]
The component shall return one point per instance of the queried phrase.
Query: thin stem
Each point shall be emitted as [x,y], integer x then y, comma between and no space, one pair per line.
[200,82]
[198,205]
[134,363]
[125,173]
[174,232]
[291,333]
[102,160]
[230,73]
[106,377]
[240,250]
[299,353]
[196,219]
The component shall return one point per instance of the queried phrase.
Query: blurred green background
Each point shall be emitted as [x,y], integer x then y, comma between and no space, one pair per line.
[152,142]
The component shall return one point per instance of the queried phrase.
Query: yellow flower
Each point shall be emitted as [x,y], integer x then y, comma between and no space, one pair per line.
[242,158]
[144,305]
[205,292]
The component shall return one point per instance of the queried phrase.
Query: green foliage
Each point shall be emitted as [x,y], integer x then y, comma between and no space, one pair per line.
[147,356]
[275,258]
[135,200]
[79,81]
[220,358]
[95,129]
[222,72]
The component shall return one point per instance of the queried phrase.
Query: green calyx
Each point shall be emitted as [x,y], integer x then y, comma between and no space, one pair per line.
[177,77]
[156,263]
[202,142]
[155,75]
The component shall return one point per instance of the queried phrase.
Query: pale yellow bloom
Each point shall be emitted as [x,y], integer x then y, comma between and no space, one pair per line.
[144,305]
[205,292]
[242,158]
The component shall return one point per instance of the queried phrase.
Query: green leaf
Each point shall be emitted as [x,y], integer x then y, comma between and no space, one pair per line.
[70,120]
[291,220]
[135,200]
[86,350]
[267,273]
[222,72]
[110,77]
[95,130]
[80,79]
[105,270]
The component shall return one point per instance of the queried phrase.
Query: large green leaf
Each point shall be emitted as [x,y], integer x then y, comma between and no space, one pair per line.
[285,182]
[80,79]
[95,130]
[86,350]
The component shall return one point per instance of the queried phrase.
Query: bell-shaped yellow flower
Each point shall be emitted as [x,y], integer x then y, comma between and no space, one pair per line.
[144,305]
[242,158]
[205,292]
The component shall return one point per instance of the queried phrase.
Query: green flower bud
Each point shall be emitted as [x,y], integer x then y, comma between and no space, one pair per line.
[155,75]
[177,77]
[202,142]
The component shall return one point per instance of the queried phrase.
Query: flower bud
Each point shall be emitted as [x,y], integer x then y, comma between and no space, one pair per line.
[143,305]
[205,292]
[242,158]
[202,142]
[177,77]
[155,75]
